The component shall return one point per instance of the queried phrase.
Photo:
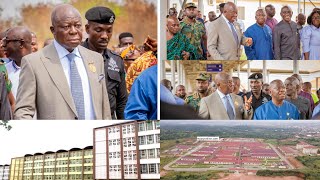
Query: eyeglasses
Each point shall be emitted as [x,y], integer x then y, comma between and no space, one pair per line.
[6,41]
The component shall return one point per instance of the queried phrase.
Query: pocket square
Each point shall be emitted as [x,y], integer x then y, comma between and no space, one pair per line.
[101,77]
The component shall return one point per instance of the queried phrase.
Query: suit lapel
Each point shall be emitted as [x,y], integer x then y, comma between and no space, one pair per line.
[228,34]
[53,65]
[92,76]
[222,110]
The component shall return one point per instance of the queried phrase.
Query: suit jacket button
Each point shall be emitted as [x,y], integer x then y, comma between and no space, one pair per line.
[76,118]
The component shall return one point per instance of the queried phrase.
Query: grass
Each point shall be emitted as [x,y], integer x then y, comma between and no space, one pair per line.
[166,160]
[208,175]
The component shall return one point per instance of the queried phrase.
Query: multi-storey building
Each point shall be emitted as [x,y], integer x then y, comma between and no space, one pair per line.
[129,150]
[75,164]
[4,172]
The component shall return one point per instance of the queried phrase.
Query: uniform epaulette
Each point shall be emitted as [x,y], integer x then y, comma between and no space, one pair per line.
[114,53]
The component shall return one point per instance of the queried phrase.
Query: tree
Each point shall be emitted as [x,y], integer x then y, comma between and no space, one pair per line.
[5,124]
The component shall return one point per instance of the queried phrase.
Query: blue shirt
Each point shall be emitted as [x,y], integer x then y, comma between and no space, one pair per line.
[261,48]
[142,101]
[316,111]
[166,95]
[269,111]
[14,75]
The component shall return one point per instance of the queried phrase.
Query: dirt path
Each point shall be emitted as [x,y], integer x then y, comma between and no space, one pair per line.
[297,164]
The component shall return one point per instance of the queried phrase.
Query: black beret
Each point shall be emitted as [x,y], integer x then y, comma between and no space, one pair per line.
[255,76]
[101,15]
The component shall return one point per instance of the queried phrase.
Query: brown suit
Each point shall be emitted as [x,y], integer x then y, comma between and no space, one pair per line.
[44,88]
[211,107]
[221,43]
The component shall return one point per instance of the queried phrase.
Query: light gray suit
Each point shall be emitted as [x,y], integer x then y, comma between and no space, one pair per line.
[211,107]
[44,88]
[221,42]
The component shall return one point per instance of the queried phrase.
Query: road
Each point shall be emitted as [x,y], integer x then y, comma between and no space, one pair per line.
[282,157]
[167,167]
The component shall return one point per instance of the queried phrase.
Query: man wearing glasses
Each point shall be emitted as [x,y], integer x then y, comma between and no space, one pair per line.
[17,44]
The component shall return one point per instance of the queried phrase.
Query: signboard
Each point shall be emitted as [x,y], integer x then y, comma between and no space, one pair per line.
[214,68]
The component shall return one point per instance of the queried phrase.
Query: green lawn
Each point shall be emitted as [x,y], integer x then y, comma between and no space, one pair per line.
[165,160]
[208,175]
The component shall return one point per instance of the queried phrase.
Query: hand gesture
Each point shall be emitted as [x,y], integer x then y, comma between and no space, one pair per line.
[248,41]
[185,55]
[247,102]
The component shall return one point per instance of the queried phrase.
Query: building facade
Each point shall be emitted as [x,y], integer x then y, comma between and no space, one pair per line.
[4,172]
[75,164]
[129,150]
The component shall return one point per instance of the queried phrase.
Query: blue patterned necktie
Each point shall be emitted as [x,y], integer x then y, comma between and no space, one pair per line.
[229,108]
[234,32]
[76,87]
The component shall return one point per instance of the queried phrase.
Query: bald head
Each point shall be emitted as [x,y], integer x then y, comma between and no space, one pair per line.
[66,26]
[166,83]
[62,12]
[17,49]
[230,11]
[277,91]
[307,87]
[301,19]
[224,82]
[173,25]
[292,85]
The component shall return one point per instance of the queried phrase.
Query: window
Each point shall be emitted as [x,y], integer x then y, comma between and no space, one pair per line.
[157,138]
[158,153]
[142,140]
[143,154]
[142,126]
[144,169]
[152,169]
[150,125]
[158,125]
[151,153]
[150,139]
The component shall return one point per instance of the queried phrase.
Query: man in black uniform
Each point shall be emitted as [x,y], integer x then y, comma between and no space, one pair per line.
[99,29]
[256,97]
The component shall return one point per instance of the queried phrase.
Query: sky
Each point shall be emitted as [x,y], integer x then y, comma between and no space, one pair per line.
[11,7]
[30,137]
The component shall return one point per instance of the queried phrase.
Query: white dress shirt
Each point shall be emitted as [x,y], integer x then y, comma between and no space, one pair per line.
[13,73]
[62,53]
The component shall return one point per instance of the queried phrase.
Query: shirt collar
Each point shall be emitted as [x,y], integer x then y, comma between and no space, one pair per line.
[221,94]
[227,21]
[62,52]
[15,66]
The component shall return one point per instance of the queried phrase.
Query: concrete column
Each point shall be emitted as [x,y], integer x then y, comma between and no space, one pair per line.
[162,52]
[249,72]
[183,76]
[231,72]
[238,70]
[201,6]
[178,73]
[264,72]
[173,73]
[295,66]
[268,77]
[299,6]
[317,83]
[162,69]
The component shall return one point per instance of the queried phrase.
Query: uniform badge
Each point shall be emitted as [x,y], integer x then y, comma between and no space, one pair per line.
[92,67]
[264,100]
[113,65]
[256,76]
[111,20]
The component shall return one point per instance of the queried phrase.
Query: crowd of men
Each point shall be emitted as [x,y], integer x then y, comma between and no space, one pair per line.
[222,37]
[223,100]
[74,79]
